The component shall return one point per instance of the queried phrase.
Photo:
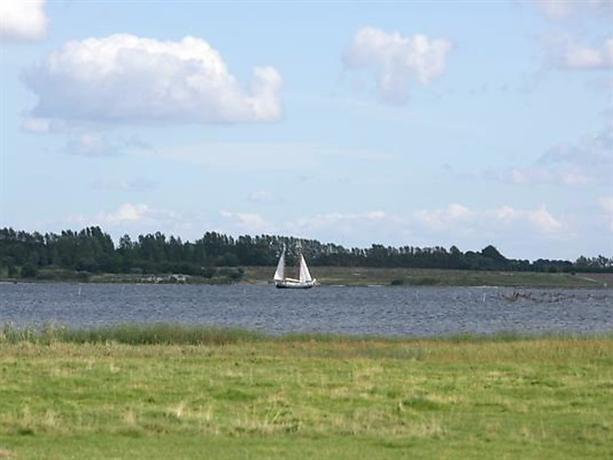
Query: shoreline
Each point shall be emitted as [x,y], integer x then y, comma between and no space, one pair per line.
[598,286]
[345,277]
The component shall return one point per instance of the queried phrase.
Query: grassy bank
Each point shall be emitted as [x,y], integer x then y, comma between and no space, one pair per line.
[363,276]
[234,394]
[351,276]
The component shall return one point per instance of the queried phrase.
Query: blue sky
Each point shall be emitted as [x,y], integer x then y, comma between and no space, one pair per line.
[439,123]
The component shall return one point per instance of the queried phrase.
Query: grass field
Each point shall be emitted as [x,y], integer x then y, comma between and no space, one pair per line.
[361,276]
[171,392]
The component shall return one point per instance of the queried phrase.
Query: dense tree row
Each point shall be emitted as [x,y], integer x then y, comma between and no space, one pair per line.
[92,250]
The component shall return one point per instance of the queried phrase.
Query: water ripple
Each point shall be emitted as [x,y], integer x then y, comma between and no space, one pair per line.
[418,311]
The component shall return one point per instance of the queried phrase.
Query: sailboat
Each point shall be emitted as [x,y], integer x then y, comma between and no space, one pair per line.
[304,280]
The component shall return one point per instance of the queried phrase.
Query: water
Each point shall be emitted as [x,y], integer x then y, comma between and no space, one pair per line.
[420,311]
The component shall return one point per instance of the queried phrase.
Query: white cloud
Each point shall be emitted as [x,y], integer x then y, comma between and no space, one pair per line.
[22,20]
[539,218]
[443,219]
[566,52]
[362,228]
[545,175]
[244,222]
[126,213]
[579,57]
[544,221]
[397,60]
[462,220]
[589,161]
[593,154]
[36,125]
[139,218]
[91,145]
[559,9]
[124,78]
[554,8]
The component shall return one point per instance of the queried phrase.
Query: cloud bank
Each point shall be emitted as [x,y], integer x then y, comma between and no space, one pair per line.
[124,78]
[22,21]
[455,219]
[521,230]
[397,60]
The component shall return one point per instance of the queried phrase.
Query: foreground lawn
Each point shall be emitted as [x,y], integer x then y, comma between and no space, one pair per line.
[308,398]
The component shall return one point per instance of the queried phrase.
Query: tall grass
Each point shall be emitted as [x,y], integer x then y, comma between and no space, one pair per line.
[180,334]
[131,334]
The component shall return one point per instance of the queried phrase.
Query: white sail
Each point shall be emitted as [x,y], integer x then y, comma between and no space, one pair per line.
[280,273]
[305,275]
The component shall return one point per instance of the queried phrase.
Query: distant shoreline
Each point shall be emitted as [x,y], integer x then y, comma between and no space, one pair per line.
[345,276]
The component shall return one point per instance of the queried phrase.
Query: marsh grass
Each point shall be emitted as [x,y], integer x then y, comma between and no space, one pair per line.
[181,334]
[131,334]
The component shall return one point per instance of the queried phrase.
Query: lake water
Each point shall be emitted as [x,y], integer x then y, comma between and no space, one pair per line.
[417,311]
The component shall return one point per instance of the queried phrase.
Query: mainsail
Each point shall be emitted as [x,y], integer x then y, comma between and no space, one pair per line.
[305,275]
[280,273]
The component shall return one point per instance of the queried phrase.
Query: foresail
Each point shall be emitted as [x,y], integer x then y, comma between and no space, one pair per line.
[280,273]
[305,275]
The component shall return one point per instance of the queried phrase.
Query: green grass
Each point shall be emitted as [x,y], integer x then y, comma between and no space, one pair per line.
[131,334]
[236,394]
[362,276]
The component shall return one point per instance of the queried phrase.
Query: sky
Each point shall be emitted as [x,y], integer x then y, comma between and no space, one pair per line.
[413,123]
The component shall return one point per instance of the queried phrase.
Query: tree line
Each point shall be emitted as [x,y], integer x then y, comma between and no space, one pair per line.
[90,250]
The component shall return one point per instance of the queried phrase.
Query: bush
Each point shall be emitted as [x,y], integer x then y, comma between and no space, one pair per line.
[29,271]
[233,274]
[208,272]
[83,276]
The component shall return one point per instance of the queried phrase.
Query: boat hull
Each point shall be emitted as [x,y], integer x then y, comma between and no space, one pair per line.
[294,284]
